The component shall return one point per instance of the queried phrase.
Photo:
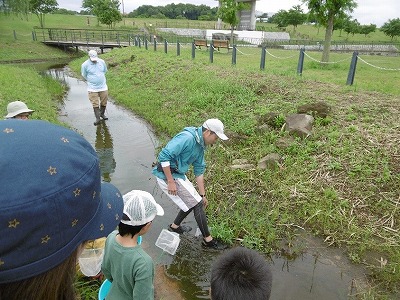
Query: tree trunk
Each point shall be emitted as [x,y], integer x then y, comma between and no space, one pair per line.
[232,41]
[328,38]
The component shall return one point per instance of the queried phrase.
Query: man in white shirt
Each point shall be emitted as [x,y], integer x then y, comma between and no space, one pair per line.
[94,70]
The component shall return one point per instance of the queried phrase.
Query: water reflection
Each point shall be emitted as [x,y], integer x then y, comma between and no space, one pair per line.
[105,151]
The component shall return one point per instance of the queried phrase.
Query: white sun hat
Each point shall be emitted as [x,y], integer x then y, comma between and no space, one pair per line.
[15,108]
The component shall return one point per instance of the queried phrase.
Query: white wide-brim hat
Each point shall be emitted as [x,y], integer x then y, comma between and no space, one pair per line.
[15,108]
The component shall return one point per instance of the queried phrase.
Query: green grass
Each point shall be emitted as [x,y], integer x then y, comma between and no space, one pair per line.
[341,183]
[375,73]
[39,93]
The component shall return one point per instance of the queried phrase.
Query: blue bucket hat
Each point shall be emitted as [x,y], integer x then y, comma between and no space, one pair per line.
[52,198]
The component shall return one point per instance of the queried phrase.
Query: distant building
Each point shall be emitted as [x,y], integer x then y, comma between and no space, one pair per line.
[247,17]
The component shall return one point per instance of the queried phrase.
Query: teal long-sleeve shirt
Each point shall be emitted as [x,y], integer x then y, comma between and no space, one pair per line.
[185,149]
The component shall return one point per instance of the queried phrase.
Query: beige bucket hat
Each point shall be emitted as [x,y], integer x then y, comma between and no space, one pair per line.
[15,108]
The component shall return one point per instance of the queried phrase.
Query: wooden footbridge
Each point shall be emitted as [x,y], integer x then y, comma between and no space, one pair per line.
[67,38]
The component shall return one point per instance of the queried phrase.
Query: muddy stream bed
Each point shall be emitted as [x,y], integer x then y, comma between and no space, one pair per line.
[126,147]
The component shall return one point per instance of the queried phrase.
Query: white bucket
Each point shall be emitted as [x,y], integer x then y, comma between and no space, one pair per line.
[168,241]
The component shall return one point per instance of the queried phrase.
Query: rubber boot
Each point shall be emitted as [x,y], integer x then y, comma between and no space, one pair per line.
[97,115]
[102,111]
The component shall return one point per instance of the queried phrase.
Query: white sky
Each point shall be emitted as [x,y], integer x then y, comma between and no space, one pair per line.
[368,11]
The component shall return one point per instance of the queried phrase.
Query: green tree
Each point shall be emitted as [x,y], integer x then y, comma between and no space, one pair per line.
[367,29]
[295,16]
[339,22]
[280,18]
[351,26]
[325,12]
[19,7]
[228,13]
[106,11]
[41,8]
[391,28]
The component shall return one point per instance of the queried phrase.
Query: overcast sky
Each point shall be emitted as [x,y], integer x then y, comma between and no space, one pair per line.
[368,11]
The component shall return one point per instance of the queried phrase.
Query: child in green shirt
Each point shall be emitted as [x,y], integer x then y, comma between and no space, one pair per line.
[125,263]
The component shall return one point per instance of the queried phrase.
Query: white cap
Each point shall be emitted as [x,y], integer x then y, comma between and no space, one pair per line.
[140,208]
[15,108]
[93,55]
[216,126]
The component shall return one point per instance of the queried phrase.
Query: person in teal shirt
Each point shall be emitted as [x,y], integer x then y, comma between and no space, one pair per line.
[183,150]
[125,263]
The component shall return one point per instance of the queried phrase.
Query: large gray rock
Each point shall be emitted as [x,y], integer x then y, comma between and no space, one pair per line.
[318,109]
[271,161]
[299,125]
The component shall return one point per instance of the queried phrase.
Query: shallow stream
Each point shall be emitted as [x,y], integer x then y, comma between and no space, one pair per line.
[126,146]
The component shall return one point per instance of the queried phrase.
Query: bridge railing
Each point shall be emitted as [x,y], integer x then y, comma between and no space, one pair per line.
[84,35]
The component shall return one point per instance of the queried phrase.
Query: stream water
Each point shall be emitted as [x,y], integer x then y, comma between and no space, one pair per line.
[126,146]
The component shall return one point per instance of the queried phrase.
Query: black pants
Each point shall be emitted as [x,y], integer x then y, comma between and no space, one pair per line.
[199,215]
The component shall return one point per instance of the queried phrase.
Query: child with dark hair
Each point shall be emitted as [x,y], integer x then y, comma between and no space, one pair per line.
[242,274]
[125,263]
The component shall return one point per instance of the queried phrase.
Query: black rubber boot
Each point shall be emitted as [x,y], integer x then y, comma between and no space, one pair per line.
[102,111]
[97,115]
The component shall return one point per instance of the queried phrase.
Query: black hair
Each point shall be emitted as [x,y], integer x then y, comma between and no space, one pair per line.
[240,273]
[124,229]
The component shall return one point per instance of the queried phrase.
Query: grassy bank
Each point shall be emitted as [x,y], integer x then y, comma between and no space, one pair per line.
[39,93]
[341,183]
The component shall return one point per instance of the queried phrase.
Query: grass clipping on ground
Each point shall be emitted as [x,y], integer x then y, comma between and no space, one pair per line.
[341,183]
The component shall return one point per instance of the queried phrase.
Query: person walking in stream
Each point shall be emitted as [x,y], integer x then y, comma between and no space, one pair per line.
[93,70]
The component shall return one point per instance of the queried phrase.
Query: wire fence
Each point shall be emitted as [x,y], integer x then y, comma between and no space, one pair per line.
[246,55]
[262,55]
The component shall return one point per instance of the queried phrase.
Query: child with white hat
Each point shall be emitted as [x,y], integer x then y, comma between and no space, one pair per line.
[18,110]
[125,263]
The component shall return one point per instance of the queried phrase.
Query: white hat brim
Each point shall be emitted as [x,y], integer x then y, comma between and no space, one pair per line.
[222,136]
[16,113]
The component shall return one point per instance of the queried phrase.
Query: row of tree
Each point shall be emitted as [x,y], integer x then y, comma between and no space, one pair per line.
[295,16]
[106,11]
[176,11]
[23,7]
[331,14]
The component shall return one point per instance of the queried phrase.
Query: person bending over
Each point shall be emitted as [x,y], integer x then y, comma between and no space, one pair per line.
[183,150]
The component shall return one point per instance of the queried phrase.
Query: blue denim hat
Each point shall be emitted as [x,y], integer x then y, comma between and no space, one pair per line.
[51,199]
